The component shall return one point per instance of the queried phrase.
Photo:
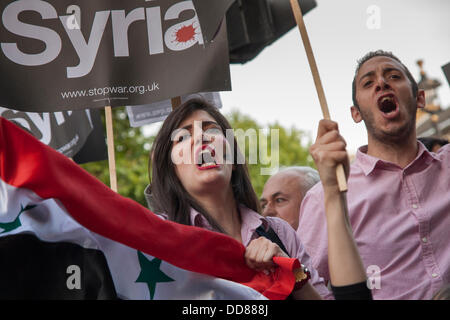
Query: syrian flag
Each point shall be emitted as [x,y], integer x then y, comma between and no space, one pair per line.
[65,235]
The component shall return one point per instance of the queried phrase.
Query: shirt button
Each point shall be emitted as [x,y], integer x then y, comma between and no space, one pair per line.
[414,206]
[434,275]
[424,239]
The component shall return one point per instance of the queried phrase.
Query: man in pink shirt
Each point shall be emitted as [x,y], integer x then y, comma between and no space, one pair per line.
[398,192]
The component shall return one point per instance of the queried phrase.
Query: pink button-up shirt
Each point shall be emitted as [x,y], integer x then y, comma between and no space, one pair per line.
[400,220]
[252,220]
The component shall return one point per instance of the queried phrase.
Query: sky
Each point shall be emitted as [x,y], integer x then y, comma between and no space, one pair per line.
[278,86]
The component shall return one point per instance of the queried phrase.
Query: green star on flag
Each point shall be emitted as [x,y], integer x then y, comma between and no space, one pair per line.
[151,273]
[9,226]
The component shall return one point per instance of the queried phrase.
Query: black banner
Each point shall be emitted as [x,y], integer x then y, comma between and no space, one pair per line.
[64,131]
[94,149]
[55,55]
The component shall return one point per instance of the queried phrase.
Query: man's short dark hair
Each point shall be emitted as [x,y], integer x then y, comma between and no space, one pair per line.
[381,53]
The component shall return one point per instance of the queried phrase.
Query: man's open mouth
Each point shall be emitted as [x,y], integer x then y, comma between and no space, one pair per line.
[387,104]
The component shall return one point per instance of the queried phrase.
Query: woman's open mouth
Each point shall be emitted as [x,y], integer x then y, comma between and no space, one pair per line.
[205,158]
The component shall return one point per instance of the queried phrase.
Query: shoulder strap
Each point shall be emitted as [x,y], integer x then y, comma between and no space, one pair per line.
[272,236]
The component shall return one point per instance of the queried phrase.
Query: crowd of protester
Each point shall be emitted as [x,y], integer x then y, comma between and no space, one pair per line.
[386,237]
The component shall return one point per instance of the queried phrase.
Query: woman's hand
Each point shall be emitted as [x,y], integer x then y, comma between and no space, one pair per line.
[259,254]
[328,151]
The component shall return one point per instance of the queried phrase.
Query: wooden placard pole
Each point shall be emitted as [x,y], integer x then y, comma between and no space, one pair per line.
[111,153]
[176,102]
[315,72]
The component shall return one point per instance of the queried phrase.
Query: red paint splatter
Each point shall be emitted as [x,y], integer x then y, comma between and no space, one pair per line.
[185,33]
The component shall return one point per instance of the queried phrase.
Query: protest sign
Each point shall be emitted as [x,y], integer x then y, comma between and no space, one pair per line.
[65,131]
[446,70]
[94,149]
[58,56]
[158,111]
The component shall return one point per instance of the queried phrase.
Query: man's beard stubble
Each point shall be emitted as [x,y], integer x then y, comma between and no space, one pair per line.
[397,136]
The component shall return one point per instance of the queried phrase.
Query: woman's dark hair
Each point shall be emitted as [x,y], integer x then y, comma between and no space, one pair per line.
[168,194]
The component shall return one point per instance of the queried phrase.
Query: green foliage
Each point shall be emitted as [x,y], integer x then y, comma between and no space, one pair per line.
[291,152]
[132,150]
